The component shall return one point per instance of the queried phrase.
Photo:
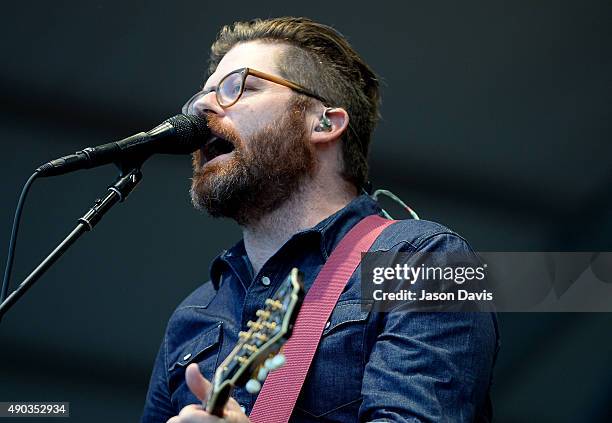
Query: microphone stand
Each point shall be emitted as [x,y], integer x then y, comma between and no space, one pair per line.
[118,192]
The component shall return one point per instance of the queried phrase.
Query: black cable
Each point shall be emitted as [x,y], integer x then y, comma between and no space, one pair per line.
[13,243]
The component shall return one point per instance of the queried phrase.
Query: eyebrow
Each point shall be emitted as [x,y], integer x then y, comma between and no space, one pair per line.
[252,79]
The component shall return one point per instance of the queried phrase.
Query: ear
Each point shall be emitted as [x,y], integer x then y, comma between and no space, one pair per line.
[339,119]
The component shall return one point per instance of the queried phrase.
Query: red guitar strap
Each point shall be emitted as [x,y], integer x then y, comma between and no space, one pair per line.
[281,389]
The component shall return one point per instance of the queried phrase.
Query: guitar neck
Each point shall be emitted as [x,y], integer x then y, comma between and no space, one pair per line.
[218,399]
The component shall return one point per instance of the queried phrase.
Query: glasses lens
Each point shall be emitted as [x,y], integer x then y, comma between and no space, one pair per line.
[188,108]
[229,89]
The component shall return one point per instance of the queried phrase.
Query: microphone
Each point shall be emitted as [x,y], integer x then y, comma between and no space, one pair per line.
[181,134]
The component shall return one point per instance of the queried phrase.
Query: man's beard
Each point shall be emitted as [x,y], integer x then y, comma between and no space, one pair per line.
[253,183]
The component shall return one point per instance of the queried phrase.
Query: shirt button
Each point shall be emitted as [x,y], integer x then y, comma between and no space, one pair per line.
[265,280]
[328,324]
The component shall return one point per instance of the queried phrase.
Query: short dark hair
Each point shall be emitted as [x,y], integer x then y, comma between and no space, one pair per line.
[320,59]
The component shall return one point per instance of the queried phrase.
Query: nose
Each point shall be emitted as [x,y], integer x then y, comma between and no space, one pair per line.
[206,104]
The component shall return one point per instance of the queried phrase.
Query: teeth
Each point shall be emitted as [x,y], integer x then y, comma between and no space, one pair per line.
[212,139]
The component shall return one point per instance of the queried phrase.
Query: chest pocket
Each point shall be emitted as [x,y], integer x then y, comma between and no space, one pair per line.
[332,390]
[204,350]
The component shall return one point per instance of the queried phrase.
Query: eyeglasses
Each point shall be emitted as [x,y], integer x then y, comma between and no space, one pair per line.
[231,87]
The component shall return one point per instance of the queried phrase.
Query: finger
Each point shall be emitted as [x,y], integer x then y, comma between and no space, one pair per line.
[235,417]
[196,415]
[197,384]
[233,406]
[190,409]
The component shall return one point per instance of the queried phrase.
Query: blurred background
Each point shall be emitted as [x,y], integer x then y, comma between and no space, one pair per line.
[496,123]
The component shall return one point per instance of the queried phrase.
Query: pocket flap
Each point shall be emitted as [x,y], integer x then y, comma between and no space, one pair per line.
[345,313]
[202,343]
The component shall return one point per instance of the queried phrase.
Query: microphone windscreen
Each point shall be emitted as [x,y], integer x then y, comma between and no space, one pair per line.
[191,131]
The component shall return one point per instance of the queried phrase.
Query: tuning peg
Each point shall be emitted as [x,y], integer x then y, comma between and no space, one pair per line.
[274,362]
[262,337]
[278,360]
[268,364]
[274,304]
[269,325]
[262,313]
[254,325]
[250,348]
[253,386]
[262,374]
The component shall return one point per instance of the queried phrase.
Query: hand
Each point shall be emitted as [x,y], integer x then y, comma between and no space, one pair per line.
[195,413]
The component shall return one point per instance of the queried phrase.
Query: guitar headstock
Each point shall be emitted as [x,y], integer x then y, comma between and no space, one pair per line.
[254,354]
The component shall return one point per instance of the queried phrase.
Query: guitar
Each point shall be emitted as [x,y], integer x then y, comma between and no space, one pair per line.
[255,354]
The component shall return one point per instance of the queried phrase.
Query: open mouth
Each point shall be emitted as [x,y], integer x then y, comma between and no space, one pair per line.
[216,147]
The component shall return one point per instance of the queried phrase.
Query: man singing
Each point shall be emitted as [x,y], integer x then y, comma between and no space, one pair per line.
[292,107]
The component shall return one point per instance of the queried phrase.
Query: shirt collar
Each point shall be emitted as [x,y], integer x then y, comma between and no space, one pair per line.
[330,231]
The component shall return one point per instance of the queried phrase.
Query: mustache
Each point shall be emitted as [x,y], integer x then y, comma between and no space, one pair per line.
[224,131]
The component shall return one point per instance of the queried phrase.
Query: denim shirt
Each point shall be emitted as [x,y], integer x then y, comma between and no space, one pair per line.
[369,366]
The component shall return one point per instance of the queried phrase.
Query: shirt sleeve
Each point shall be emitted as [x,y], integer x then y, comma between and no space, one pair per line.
[158,407]
[431,366]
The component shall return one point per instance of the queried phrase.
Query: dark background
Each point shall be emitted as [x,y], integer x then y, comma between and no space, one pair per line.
[496,122]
